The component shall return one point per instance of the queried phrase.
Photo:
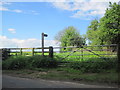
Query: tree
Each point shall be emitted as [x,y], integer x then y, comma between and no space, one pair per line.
[92,33]
[107,29]
[70,37]
[110,24]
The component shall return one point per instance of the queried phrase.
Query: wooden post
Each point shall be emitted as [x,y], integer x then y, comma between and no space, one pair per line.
[42,44]
[20,51]
[16,53]
[51,51]
[82,53]
[32,51]
[43,35]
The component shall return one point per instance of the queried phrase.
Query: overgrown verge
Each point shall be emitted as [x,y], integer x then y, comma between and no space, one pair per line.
[88,66]
[22,62]
[102,71]
[96,66]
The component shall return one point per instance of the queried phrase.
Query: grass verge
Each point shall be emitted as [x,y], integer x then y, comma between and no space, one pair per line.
[66,74]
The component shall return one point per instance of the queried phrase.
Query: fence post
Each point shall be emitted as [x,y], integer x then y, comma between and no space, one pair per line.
[51,51]
[32,51]
[20,51]
[82,53]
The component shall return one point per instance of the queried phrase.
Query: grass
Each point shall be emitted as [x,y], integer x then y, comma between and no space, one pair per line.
[85,55]
[66,74]
[27,53]
[102,71]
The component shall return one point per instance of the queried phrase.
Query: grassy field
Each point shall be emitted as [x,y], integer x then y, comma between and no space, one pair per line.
[76,56]
[85,55]
[27,54]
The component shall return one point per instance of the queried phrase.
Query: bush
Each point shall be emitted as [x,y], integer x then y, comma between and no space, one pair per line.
[14,63]
[22,62]
[94,66]
[44,62]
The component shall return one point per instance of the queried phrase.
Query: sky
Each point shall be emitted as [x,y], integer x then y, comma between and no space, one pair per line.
[23,22]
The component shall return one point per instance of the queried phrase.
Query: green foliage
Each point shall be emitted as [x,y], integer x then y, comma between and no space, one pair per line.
[5,53]
[94,66]
[92,33]
[44,62]
[70,37]
[110,24]
[22,62]
[107,29]
[14,63]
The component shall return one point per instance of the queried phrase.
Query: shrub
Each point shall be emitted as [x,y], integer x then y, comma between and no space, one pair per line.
[94,66]
[22,62]
[14,63]
[44,62]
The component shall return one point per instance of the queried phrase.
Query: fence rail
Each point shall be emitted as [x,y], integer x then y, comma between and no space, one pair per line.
[6,52]
[81,52]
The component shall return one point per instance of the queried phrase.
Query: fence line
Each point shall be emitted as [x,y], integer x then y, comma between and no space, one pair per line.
[99,51]
[33,51]
[81,51]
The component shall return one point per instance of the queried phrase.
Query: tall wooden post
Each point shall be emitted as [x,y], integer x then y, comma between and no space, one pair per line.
[20,51]
[43,35]
[51,51]
[32,51]
[82,53]
[42,44]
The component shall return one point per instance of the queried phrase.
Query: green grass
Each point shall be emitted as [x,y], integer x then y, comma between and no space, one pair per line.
[27,53]
[88,68]
[79,56]
[103,71]
[66,74]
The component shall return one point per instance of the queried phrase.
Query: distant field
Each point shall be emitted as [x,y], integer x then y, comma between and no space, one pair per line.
[78,56]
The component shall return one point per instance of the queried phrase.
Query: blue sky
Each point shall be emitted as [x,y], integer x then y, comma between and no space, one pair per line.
[23,22]
[39,17]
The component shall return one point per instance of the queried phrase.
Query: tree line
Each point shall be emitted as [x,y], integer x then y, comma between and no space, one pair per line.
[106,30]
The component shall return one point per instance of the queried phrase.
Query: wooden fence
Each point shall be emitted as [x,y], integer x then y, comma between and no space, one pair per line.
[82,52]
[48,51]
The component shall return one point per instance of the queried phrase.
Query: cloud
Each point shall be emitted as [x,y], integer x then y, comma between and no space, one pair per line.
[5,42]
[87,9]
[59,0]
[12,30]
[4,8]
[17,11]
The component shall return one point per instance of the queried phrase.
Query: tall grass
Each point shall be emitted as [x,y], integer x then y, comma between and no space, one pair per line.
[23,62]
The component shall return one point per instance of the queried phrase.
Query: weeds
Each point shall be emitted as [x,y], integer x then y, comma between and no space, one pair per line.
[22,62]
